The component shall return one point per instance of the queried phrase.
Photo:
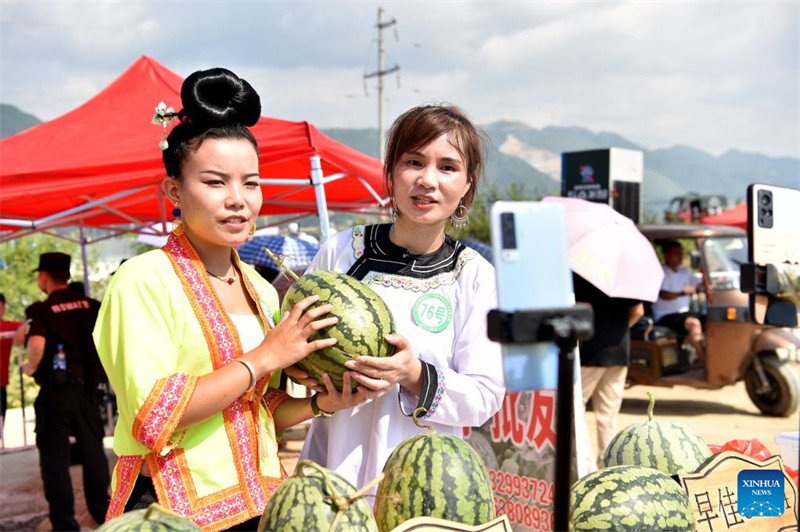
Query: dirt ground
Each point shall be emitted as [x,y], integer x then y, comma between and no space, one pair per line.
[716,415]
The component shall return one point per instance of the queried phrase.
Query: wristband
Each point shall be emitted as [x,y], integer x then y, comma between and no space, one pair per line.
[252,372]
[316,410]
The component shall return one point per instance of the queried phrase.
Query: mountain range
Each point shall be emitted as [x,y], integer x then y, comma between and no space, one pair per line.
[523,155]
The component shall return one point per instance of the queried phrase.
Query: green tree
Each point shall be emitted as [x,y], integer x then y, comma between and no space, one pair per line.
[17,278]
[478,227]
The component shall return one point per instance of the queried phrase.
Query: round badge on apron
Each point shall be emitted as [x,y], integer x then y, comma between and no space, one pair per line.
[433,312]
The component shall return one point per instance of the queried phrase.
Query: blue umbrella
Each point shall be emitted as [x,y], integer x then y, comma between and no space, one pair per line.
[483,249]
[295,253]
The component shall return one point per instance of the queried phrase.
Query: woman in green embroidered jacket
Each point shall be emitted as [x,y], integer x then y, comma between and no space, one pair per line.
[190,336]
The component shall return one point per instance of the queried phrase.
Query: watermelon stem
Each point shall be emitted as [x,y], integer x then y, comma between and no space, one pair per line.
[360,493]
[651,406]
[280,263]
[150,510]
[419,412]
[340,502]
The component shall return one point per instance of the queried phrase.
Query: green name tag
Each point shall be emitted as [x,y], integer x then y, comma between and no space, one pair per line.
[433,312]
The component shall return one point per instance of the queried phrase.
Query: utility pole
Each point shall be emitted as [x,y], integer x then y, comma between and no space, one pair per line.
[380,73]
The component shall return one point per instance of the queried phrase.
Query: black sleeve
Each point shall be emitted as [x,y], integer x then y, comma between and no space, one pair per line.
[430,383]
[37,319]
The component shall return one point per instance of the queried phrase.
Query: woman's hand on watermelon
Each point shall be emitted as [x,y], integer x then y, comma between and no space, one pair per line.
[288,341]
[331,400]
[380,374]
[301,376]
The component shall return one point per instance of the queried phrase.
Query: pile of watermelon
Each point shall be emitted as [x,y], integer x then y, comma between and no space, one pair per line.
[434,475]
[637,489]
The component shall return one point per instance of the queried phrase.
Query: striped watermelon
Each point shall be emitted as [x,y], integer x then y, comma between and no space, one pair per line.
[154,518]
[669,447]
[629,499]
[364,321]
[316,499]
[435,475]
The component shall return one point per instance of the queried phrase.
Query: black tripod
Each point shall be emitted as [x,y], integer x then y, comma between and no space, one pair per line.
[565,327]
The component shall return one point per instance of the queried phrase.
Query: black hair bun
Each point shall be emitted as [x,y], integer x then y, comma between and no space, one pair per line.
[218,97]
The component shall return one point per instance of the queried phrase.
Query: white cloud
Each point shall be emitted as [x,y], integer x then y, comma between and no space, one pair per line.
[715,75]
[94,28]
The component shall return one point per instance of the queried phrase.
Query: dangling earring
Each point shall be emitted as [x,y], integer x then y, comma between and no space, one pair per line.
[460,218]
[176,212]
[253,230]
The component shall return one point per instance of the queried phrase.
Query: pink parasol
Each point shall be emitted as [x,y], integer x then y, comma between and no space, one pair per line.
[608,250]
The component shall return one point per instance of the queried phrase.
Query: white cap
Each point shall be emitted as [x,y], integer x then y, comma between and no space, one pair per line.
[293,228]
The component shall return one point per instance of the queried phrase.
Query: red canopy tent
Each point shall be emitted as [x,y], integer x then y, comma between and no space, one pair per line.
[736,216]
[99,165]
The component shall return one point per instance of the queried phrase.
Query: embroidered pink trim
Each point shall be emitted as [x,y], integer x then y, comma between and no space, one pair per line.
[239,433]
[162,410]
[441,389]
[274,397]
[179,500]
[127,470]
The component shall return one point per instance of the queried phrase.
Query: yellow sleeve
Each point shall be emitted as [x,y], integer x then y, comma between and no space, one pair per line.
[138,337]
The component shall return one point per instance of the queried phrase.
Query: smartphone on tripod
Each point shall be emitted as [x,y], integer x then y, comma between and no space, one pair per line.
[773,234]
[529,243]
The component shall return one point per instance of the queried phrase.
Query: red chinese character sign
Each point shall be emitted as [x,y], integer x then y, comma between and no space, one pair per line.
[518,447]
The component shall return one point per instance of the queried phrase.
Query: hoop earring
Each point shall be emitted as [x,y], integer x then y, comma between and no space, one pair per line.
[253,230]
[176,213]
[460,218]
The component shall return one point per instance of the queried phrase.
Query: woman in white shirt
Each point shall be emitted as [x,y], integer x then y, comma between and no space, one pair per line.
[438,290]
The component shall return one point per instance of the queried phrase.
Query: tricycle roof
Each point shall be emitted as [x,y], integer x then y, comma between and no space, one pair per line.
[669,231]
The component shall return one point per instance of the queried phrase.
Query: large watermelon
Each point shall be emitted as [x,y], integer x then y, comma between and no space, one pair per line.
[316,499]
[435,475]
[364,321]
[154,518]
[669,447]
[629,499]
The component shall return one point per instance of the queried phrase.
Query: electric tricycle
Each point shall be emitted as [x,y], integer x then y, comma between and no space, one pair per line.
[765,357]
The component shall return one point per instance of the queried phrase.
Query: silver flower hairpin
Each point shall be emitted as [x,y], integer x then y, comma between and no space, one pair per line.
[164,116]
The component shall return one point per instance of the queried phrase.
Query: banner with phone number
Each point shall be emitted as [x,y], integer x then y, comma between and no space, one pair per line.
[518,447]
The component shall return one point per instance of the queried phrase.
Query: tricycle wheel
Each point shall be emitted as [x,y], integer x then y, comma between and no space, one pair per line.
[777,394]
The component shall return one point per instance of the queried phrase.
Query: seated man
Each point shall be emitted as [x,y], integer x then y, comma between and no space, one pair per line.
[671,309]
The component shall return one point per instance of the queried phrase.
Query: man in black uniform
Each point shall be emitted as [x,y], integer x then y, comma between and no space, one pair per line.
[67,402]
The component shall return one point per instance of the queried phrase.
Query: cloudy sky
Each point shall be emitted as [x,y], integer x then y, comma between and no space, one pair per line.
[713,75]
